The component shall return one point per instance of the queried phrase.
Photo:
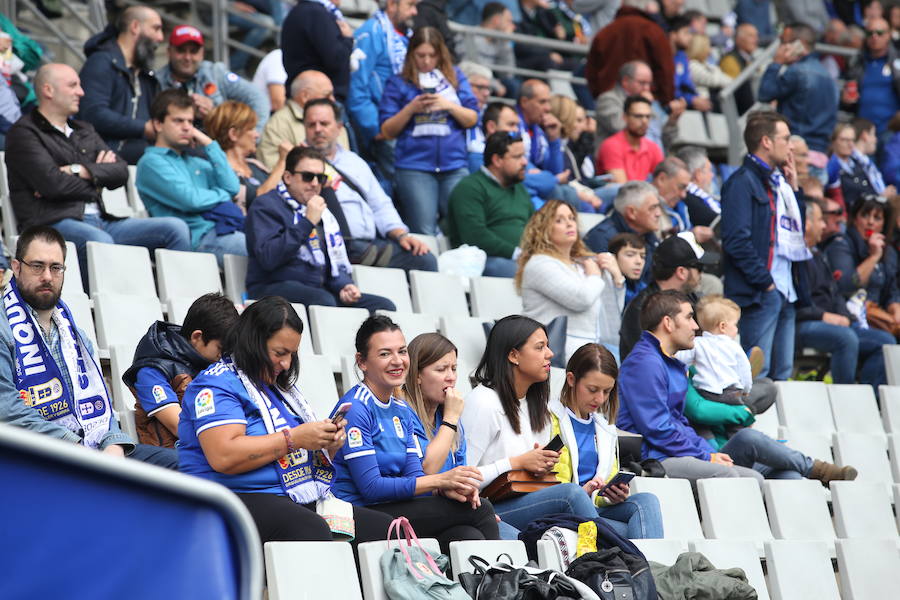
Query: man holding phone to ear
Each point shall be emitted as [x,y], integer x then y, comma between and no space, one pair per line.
[806,93]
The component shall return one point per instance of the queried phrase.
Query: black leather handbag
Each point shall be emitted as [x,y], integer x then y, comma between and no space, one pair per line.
[502,581]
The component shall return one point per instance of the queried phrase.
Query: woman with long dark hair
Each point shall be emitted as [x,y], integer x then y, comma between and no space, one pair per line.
[380,465]
[507,421]
[246,425]
[585,418]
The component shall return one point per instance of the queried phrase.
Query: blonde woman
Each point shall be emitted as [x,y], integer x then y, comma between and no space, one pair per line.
[708,78]
[558,275]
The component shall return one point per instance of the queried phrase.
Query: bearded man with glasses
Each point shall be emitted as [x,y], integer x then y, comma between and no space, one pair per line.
[50,378]
[296,247]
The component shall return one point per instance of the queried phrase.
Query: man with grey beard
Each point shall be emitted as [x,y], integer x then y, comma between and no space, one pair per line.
[119,83]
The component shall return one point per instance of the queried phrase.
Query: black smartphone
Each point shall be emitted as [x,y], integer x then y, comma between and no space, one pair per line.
[621,477]
[430,90]
[556,444]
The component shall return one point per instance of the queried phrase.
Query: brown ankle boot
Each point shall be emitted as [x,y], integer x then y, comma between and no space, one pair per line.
[827,472]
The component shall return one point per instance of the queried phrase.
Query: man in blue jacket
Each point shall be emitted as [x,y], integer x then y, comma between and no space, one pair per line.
[119,83]
[806,93]
[652,387]
[382,40]
[763,244]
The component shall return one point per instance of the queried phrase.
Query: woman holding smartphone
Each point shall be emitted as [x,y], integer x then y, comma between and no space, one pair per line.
[508,422]
[427,108]
[584,417]
[380,466]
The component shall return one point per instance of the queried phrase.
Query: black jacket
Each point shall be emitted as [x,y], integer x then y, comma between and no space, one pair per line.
[41,194]
[164,348]
[825,295]
[311,39]
[112,103]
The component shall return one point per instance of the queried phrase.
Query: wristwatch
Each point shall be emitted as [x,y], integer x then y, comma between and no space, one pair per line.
[76,169]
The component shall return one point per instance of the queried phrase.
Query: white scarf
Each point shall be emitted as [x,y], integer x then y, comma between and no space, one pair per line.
[396,43]
[334,10]
[790,242]
[311,251]
[435,123]
[708,199]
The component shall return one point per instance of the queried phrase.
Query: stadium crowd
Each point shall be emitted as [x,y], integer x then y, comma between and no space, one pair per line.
[352,142]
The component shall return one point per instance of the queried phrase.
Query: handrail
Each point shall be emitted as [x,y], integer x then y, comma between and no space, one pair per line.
[84,22]
[52,28]
[569,47]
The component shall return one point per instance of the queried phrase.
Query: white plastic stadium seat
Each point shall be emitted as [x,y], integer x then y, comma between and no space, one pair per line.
[120,269]
[412,324]
[855,409]
[800,569]
[869,568]
[186,274]
[665,552]
[430,241]
[177,308]
[122,319]
[115,202]
[892,363]
[732,509]
[467,334]
[311,570]
[489,550]
[890,407]
[724,554]
[868,453]
[74,285]
[798,511]
[587,221]
[767,422]
[370,565]
[317,384]
[494,298]
[235,268]
[306,345]
[816,445]
[679,512]
[804,406]
[438,294]
[389,283]
[862,510]
[334,331]
[80,306]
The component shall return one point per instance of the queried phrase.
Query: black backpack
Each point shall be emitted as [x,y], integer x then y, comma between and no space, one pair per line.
[615,574]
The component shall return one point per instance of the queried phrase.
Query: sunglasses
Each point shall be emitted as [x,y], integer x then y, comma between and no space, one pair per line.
[308,176]
[873,32]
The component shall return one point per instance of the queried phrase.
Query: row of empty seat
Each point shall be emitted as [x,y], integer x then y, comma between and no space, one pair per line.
[796,569]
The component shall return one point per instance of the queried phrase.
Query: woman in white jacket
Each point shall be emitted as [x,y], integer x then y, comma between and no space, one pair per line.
[558,275]
[585,417]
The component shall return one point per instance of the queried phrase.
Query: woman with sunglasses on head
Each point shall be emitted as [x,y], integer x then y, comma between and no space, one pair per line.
[585,417]
[380,465]
[295,244]
[246,425]
[427,107]
[507,421]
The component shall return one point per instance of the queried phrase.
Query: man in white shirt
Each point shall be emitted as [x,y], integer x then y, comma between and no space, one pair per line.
[369,211]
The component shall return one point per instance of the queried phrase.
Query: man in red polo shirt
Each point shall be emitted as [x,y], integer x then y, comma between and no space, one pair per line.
[628,155]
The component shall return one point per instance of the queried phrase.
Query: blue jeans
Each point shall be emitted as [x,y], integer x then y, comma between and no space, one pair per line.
[497,266]
[770,325]
[638,517]
[156,455]
[156,232]
[400,258]
[220,245]
[254,36]
[424,197]
[754,449]
[294,291]
[849,346]
[567,498]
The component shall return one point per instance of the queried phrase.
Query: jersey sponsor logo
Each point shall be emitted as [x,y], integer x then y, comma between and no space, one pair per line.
[204,404]
[159,393]
[398,426]
[354,437]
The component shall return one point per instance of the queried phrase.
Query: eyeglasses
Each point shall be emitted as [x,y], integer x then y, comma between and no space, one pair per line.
[873,32]
[642,117]
[837,212]
[308,176]
[480,86]
[38,268]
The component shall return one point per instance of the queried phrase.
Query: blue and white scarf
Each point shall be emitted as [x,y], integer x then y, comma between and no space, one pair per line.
[872,172]
[396,43]
[311,252]
[535,141]
[334,10]
[789,240]
[86,410]
[564,8]
[710,201]
[436,122]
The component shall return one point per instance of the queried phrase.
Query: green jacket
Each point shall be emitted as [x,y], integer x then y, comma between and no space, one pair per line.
[715,416]
[488,216]
[693,576]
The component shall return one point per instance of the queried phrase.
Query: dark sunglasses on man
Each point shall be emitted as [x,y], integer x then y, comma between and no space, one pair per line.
[308,176]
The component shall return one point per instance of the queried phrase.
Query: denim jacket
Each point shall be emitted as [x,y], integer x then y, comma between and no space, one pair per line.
[14,411]
[807,96]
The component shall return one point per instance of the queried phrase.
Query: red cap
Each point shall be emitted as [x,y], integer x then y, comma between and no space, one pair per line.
[184,34]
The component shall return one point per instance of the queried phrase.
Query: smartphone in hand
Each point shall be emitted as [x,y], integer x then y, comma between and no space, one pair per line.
[620,477]
[341,412]
[556,444]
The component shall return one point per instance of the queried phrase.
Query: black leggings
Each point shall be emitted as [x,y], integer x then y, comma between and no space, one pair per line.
[280,519]
[445,519]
